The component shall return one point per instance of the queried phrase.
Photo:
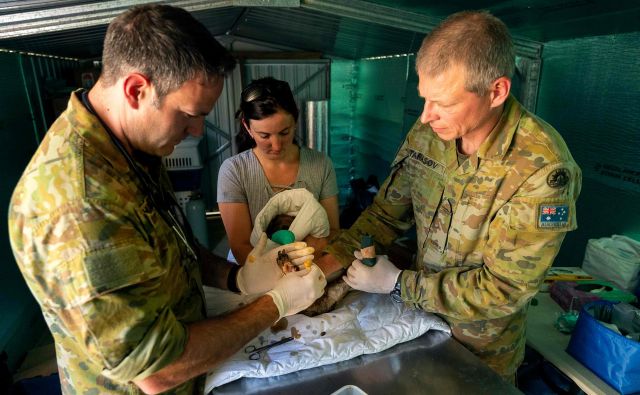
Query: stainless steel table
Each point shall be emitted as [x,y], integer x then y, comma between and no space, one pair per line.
[431,364]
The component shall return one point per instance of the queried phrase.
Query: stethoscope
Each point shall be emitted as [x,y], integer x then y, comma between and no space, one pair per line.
[168,208]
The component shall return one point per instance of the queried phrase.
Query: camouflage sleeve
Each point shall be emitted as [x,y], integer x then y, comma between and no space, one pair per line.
[522,243]
[108,297]
[390,214]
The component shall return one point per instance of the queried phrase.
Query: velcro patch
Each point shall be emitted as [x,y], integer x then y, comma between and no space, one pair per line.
[553,215]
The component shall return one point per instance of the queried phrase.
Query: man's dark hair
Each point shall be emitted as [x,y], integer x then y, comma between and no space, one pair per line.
[261,99]
[166,44]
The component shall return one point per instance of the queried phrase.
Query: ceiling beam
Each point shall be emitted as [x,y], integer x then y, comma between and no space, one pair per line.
[397,18]
[86,15]
[371,12]
[57,19]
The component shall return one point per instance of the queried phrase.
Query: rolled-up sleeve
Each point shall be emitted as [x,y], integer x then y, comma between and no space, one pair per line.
[162,344]
[115,294]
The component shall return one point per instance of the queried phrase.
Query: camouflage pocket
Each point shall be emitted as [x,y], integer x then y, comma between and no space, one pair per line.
[435,243]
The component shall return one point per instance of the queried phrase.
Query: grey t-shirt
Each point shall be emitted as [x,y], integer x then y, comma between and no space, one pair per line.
[242,180]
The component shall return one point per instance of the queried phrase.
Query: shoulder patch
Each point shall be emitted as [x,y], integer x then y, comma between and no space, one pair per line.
[558,178]
[553,216]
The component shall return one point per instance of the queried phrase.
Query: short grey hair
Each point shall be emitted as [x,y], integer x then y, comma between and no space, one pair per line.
[476,40]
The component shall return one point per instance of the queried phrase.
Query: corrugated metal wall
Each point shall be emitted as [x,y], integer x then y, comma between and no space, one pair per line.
[220,127]
[45,78]
[590,92]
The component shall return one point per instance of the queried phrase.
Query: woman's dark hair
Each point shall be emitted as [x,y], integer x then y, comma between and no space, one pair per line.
[259,100]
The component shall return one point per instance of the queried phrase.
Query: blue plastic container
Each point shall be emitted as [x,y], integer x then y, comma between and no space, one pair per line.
[611,356]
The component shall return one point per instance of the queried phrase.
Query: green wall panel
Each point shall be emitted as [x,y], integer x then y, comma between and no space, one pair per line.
[590,92]
[18,309]
[367,122]
[342,104]
[379,120]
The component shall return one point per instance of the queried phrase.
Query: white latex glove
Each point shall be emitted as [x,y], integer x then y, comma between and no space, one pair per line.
[298,290]
[380,279]
[261,271]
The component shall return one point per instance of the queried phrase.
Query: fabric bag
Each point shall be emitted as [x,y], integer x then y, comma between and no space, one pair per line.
[616,259]
[611,356]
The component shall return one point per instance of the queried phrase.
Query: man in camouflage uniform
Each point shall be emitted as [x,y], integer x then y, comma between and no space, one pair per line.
[490,187]
[100,240]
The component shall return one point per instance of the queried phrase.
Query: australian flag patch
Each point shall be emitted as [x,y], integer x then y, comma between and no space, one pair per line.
[553,216]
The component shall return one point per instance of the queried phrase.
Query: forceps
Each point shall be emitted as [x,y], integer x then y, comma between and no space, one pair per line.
[255,352]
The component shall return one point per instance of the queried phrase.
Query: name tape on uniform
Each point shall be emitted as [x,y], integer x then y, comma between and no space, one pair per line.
[428,162]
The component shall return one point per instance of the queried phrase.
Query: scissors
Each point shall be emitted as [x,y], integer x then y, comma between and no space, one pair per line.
[255,352]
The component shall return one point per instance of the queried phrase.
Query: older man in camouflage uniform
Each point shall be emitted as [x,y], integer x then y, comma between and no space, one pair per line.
[490,187]
[98,235]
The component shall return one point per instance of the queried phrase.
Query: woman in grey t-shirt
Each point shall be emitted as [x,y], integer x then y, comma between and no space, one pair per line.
[270,161]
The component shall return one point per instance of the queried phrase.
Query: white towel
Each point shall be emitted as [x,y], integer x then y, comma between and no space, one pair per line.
[310,216]
[363,324]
